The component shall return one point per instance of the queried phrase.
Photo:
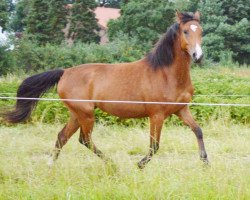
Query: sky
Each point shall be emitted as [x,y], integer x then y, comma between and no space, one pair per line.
[4,39]
[3,36]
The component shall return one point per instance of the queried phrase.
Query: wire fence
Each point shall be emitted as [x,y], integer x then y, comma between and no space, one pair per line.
[196,95]
[128,102]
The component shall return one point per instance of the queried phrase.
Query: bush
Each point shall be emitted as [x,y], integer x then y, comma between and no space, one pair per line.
[6,60]
[32,57]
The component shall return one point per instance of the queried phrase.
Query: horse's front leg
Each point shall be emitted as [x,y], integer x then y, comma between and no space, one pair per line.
[186,116]
[156,123]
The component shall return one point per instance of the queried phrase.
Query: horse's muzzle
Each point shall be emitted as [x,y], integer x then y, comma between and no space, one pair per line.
[197,60]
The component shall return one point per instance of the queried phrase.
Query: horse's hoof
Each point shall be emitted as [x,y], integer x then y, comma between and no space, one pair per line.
[80,140]
[141,165]
[205,162]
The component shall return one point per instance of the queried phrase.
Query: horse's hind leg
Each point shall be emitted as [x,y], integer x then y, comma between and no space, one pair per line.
[186,116]
[69,129]
[87,124]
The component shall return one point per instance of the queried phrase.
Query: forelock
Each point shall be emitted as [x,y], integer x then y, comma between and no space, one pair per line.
[188,16]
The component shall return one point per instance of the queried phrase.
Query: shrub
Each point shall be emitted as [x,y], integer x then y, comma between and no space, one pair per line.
[6,60]
[32,57]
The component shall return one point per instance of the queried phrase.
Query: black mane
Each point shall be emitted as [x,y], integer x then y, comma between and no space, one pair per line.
[163,53]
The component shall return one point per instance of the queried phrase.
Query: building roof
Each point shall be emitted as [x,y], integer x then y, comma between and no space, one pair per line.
[103,15]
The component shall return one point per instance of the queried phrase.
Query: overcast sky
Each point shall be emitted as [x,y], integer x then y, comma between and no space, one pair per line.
[2,35]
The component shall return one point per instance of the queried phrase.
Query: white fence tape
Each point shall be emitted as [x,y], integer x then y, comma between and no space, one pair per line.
[197,95]
[130,102]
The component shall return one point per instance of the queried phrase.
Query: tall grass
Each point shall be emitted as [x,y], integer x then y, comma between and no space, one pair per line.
[174,173]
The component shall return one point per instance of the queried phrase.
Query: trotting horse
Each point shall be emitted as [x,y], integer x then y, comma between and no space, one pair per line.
[163,75]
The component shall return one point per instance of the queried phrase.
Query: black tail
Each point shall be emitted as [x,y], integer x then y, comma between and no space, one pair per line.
[32,87]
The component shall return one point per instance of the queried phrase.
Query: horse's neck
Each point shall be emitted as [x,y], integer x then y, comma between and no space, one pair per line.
[181,66]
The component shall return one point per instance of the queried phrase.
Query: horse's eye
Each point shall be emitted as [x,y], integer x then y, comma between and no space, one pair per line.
[185,32]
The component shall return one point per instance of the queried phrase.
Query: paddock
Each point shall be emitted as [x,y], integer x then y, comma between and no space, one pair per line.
[78,174]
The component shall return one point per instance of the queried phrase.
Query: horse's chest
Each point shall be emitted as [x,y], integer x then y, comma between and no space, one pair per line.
[180,97]
[185,96]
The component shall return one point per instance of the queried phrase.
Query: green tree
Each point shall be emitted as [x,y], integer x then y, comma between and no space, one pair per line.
[188,6]
[17,22]
[226,29]
[6,60]
[57,18]
[83,24]
[212,19]
[237,28]
[236,10]
[45,21]
[3,14]
[145,20]
[37,21]
[6,6]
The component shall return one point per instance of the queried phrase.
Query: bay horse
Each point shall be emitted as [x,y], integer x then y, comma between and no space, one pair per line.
[163,75]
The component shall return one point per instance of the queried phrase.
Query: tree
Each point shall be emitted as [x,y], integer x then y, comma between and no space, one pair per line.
[17,22]
[188,6]
[83,24]
[57,15]
[237,28]
[226,32]
[45,21]
[6,6]
[236,10]
[3,14]
[37,21]
[212,19]
[145,20]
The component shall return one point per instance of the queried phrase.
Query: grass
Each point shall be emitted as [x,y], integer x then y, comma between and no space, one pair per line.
[174,173]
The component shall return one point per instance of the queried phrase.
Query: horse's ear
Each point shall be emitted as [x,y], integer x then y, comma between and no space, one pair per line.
[178,16]
[197,15]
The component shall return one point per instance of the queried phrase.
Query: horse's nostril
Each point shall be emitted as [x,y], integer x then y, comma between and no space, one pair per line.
[194,55]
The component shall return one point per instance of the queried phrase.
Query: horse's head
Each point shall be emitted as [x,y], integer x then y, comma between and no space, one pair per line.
[190,34]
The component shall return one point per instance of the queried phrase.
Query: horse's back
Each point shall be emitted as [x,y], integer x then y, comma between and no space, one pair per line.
[106,82]
[114,76]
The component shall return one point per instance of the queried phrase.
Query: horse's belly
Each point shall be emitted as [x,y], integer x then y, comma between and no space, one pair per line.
[123,110]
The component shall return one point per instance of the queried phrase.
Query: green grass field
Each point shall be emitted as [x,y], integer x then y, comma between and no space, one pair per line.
[175,172]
